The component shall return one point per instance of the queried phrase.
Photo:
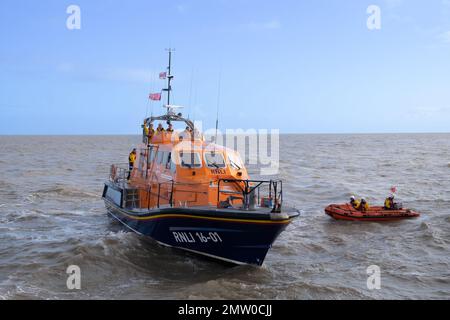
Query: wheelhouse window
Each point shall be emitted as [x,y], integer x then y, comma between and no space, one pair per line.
[235,161]
[190,160]
[142,158]
[152,154]
[159,157]
[214,160]
[165,157]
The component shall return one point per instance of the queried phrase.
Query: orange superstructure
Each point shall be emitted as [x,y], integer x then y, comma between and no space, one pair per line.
[186,172]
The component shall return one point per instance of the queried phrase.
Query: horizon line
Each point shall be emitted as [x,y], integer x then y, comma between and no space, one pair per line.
[281,133]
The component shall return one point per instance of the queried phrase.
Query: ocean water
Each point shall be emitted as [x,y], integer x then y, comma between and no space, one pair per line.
[52,216]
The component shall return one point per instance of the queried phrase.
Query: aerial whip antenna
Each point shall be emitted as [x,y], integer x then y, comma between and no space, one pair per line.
[218,105]
[169,76]
[190,93]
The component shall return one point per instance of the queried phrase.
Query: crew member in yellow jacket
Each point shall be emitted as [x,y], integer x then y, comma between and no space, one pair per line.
[131,161]
[355,203]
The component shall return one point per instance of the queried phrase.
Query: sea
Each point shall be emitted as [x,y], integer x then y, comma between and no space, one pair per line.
[52,217]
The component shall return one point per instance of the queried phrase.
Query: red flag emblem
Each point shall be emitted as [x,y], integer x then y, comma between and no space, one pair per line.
[155,96]
[163,75]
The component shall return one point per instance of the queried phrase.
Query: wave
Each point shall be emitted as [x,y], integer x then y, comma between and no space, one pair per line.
[433,234]
[66,191]
[26,215]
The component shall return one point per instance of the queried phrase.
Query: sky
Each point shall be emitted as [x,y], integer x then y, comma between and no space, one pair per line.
[300,66]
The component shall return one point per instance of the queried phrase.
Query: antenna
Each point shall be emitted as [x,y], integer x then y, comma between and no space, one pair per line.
[169,76]
[190,93]
[218,105]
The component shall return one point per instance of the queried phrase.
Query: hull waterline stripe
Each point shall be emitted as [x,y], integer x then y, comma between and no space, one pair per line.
[162,216]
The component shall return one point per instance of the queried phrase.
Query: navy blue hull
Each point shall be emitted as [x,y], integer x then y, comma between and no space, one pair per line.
[239,241]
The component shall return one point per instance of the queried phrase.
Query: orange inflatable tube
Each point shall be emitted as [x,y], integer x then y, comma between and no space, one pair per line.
[347,212]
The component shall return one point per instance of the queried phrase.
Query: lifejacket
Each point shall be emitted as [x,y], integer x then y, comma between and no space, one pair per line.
[388,203]
[150,132]
[131,158]
[364,206]
[355,204]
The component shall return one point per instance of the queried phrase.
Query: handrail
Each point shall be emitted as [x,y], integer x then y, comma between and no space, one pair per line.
[248,190]
[173,190]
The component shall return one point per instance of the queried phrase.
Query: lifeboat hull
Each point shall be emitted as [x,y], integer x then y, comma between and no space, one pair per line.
[232,236]
[347,212]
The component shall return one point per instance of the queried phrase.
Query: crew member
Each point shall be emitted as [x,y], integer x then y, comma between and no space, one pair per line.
[170,128]
[160,128]
[186,134]
[151,132]
[389,203]
[364,206]
[131,161]
[145,132]
[355,203]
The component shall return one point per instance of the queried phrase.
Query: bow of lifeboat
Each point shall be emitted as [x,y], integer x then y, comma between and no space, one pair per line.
[188,194]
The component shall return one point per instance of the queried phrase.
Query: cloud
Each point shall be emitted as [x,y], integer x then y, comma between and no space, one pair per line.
[429,112]
[273,24]
[127,74]
[181,8]
[445,37]
[121,74]
[392,4]
[65,67]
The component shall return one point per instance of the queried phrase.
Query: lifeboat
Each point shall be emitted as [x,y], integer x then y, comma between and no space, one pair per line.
[186,193]
[347,212]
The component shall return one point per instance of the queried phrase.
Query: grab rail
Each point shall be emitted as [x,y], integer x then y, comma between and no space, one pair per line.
[167,192]
[249,188]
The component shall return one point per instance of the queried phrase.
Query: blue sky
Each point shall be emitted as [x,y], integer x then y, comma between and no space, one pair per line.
[308,66]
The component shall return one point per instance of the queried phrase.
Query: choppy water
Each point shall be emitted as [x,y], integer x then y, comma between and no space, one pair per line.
[52,216]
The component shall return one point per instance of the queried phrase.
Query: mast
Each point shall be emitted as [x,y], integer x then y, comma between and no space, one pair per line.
[169,76]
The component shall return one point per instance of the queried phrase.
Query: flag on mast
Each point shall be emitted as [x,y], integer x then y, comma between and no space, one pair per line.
[155,96]
[163,75]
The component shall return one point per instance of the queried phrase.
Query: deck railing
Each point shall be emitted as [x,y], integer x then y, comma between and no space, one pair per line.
[231,193]
[251,193]
[119,174]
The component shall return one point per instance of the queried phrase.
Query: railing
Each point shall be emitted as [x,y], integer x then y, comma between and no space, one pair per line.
[119,174]
[164,194]
[251,193]
[231,193]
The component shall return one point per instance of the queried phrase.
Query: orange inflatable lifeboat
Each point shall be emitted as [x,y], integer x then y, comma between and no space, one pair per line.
[347,212]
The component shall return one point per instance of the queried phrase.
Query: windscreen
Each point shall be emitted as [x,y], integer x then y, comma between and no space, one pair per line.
[190,160]
[214,160]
